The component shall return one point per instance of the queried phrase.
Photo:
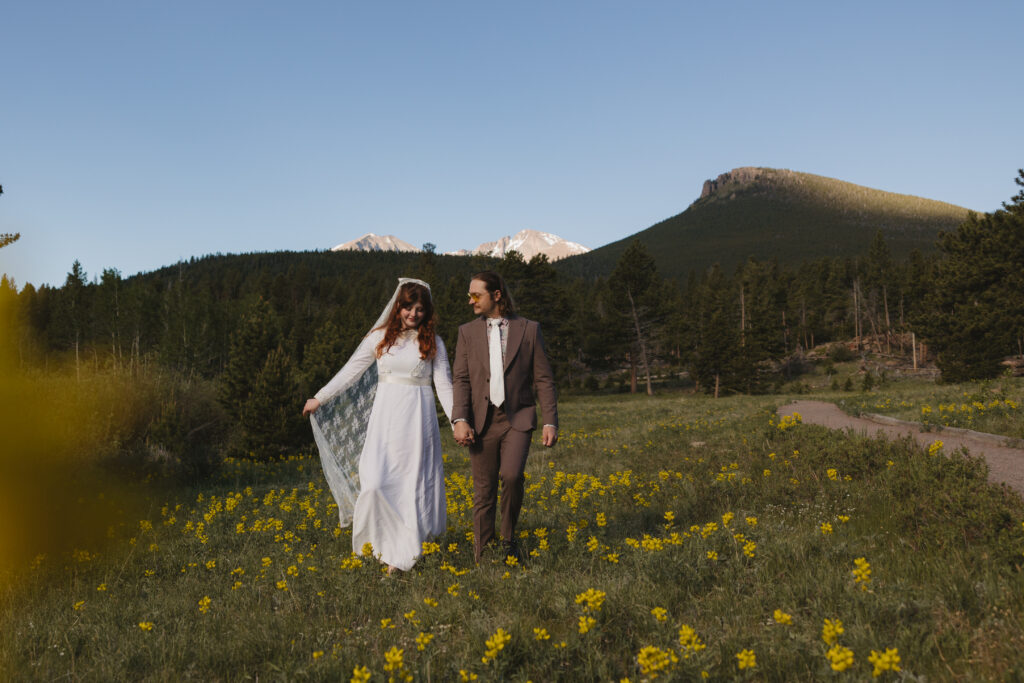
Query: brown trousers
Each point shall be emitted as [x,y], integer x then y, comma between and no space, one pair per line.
[498,453]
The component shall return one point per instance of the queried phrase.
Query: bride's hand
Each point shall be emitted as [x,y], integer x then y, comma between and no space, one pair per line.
[311,405]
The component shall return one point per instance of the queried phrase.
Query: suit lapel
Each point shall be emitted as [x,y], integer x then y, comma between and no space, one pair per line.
[516,329]
[480,342]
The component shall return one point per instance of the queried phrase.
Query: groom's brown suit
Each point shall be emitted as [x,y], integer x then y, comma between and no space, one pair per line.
[502,434]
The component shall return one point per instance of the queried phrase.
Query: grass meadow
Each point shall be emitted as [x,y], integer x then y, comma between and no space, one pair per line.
[992,407]
[670,538]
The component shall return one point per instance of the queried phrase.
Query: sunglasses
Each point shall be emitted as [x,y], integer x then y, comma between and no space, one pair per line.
[474,297]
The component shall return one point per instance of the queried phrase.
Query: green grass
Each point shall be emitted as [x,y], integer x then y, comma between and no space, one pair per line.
[944,549]
[992,406]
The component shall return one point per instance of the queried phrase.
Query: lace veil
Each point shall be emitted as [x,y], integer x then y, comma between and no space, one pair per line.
[339,427]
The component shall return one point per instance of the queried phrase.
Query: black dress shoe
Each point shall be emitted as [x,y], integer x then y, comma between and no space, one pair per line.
[512,549]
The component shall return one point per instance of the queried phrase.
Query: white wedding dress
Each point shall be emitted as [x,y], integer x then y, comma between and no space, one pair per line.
[401,492]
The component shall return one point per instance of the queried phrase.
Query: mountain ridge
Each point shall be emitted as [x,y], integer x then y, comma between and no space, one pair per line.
[778,214]
[372,242]
[528,243]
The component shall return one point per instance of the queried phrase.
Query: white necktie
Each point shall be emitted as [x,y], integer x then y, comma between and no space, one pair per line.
[497,371]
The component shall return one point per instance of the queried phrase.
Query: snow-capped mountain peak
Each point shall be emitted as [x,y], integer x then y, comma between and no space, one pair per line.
[528,243]
[371,242]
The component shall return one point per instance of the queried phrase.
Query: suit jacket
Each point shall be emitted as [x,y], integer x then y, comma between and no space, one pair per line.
[526,364]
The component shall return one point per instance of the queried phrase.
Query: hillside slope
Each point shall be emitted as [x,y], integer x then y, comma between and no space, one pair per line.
[778,214]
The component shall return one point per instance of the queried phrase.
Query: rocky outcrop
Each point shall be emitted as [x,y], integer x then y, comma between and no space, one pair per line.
[744,176]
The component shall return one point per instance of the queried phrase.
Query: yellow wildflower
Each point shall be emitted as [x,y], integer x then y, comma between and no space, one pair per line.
[204,604]
[495,644]
[422,640]
[831,630]
[840,658]
[689,641]
[861,573]
[654,661]
[885,661]
[745,659]
[782,618]
[394,663]
[591,600]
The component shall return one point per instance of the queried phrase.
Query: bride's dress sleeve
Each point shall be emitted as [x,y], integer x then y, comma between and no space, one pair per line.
[365,355]
[443,378]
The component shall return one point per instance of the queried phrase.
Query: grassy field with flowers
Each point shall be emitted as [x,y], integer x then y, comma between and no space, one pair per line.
[670,538]
[992,406]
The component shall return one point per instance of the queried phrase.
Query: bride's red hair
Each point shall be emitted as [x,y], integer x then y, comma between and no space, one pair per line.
[409,295]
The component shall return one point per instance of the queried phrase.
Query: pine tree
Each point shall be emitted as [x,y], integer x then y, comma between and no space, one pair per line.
[270,417]
[718,334]
[975,315]
[71,321]
[251,344]
[633,286]
[108,314]
[10,323]
[323,358]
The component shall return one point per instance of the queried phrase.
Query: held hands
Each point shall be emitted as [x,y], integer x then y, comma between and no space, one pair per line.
[549,436]
[463,433]
[311,405]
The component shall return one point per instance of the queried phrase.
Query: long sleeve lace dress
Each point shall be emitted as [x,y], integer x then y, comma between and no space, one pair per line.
[401,491]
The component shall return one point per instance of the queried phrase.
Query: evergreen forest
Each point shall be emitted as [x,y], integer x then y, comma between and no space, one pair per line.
[231,345]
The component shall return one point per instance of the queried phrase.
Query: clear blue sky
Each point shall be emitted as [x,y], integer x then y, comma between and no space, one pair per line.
[136,133]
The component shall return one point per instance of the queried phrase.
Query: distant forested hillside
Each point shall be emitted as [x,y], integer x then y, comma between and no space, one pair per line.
[264,331]
[771,214]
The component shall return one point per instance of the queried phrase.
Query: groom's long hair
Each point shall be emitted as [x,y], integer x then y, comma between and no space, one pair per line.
[410,294]
[495,283]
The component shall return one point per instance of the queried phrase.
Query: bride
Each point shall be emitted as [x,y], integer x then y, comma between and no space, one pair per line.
[375,425]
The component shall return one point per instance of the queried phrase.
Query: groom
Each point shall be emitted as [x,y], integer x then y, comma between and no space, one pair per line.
[498,358]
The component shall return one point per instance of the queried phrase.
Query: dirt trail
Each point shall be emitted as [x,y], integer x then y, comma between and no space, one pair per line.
[1006,463]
